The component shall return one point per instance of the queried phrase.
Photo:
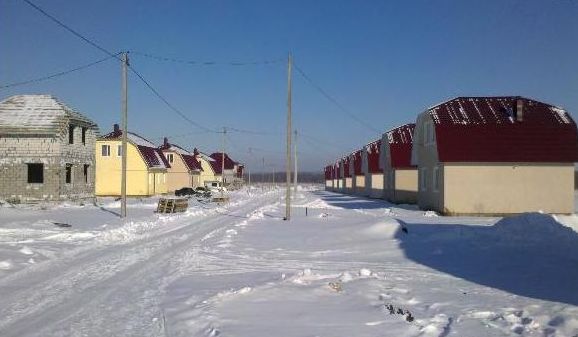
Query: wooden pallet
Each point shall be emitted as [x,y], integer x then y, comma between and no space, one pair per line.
[172,205]
[221,199]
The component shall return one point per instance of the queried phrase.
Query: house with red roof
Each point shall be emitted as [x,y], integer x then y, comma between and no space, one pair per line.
[233,171]
[400,176]
[494,156]
[357,172]
[146,166]
[347,174]
[373,167]
[185,169]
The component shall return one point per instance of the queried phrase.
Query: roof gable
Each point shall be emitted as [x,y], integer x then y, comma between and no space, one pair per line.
[487,129]
[152,156]
[400,142]
[38,114]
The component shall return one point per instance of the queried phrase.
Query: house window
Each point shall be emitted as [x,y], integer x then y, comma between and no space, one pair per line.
[423,180]
[84,136]
[68,173]
[86,166]
[105,150]
[170,157]
[436,179]
[70,134]
[119,150]
[35,173]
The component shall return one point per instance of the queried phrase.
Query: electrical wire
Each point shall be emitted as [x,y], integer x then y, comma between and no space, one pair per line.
[333,100]
[77,34]
[167,103]
[205,63]
[56,75]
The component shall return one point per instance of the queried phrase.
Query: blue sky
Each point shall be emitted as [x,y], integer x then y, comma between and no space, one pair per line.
[384,61]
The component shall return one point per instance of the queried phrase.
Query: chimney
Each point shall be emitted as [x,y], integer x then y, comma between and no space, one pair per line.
[195,151]
[116,128]
[165,141]
[519,110]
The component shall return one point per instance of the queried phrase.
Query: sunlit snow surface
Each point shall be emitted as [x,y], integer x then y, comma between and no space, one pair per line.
[345,269]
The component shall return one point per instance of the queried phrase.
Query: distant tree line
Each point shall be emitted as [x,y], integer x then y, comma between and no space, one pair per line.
[302,177]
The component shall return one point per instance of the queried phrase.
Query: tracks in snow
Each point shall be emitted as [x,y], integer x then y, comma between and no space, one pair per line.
[106,289]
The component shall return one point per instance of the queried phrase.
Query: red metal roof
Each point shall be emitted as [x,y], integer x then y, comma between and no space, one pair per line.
[357,162]
[486,129]
[373,162]
[400,142]
[218,157]
[346,167]
[189,159]
[152,156]
[328,173]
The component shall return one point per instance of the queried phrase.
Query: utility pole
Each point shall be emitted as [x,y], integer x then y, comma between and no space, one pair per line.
[295,168]
[263,175]
[124,109]
[288,154]
[223,163]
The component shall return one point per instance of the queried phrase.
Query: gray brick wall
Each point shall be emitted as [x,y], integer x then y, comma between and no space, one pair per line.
[55,153]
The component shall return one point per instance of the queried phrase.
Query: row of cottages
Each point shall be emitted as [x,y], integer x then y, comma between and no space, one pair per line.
[46,150]
[470,156]
[146,166]
[229,172]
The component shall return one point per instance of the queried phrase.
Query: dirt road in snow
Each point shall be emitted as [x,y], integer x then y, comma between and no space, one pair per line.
[108,288]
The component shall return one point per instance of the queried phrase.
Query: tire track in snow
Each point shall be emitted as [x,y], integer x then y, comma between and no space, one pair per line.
[96,275]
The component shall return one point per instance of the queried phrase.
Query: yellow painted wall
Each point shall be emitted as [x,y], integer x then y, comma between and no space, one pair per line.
[405,186]
[108,172]
[375,185]
[178,175]
[207,174]
[359,184]
[482,188]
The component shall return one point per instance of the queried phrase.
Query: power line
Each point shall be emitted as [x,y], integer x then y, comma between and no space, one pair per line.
[167,103]
[333,100]
[55,75]
[205,63]
[63,25]
[261,133]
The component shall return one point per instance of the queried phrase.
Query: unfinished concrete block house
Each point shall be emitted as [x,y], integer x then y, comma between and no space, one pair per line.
[400,176]
[494,156]
[46,150]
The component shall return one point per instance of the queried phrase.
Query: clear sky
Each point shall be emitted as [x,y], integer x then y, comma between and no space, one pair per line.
[384,61]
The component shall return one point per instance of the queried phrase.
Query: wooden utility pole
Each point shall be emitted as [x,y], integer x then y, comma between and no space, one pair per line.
[295,168]
[288,154]
[124,130]
[223,163]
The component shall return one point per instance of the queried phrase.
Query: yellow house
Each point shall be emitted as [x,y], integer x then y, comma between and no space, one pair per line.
[185,170]
[207,172]
[146,166]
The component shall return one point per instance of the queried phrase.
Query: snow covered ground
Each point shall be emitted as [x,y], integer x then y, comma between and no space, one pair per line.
[350,267]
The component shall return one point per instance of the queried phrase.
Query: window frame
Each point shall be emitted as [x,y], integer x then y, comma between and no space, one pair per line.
[170,158]
[104,153]
[40,167]
[83,136]
[68,175]
[119,150]
[71,133]
[85,172]
[423,180]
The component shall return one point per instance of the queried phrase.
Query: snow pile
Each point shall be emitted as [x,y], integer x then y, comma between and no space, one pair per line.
[537,229]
